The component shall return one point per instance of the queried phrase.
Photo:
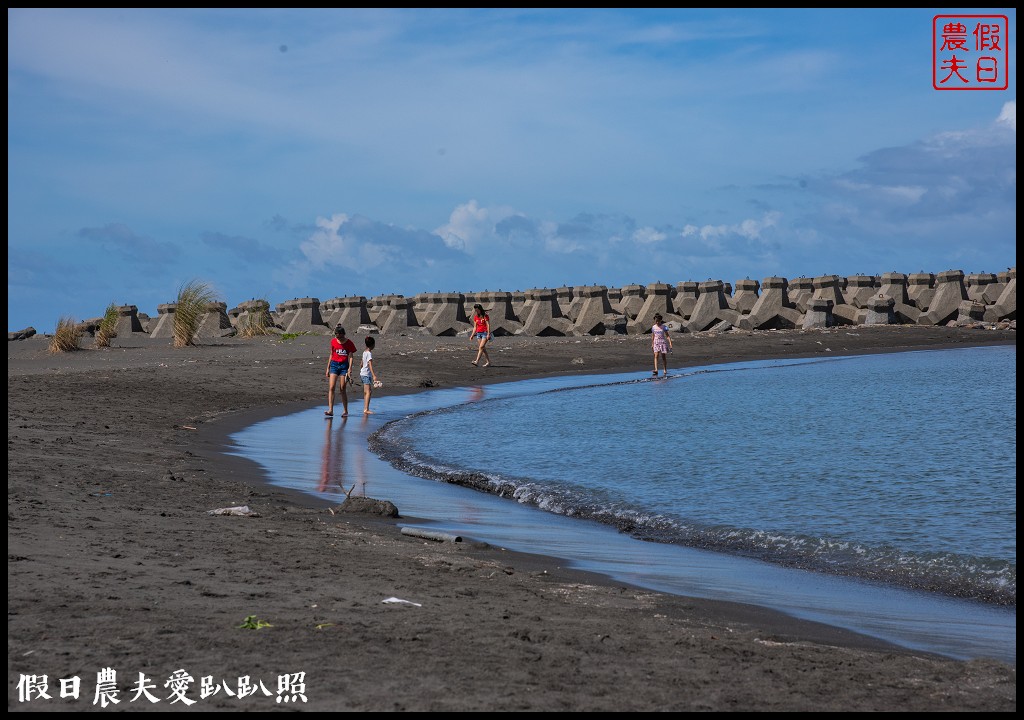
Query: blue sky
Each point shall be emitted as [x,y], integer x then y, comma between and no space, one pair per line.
[324,153]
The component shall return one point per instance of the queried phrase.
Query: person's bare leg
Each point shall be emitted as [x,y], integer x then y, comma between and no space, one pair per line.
[483,349]
[331,382]
[344,395]
[479,351]
[367,392]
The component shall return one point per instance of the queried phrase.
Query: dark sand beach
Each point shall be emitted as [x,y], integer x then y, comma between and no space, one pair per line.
[114,562]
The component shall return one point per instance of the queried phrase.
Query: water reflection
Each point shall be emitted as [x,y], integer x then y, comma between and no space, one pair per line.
[476,393]
[336,476]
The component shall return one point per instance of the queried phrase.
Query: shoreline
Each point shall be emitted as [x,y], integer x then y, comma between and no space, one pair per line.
[468,504]
[152,582]
[552,565]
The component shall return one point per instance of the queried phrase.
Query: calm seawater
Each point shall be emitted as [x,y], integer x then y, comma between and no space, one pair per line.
[899,467]
[875,493]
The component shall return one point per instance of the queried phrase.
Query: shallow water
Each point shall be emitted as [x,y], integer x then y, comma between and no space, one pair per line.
[877,495]
[798,463]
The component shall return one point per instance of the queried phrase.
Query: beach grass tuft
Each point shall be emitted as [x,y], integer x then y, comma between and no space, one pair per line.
[66,337]
[194,297]
[107,329]
[256,321]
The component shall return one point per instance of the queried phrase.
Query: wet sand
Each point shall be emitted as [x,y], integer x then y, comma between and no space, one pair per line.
[113,561]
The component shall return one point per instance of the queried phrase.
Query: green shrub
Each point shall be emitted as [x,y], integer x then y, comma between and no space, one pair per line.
[107,330]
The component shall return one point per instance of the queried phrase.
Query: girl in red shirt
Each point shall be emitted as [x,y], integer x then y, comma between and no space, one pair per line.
[339,366]
[482,333]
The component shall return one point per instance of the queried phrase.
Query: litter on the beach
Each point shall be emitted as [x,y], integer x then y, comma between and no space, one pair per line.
[400,601]
[431,535]
[242,510]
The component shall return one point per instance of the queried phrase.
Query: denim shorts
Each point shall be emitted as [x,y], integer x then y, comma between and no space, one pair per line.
[367,379]
[338,367]
[480,336]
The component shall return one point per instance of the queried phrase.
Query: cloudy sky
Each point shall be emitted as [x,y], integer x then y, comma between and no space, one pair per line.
[323,153]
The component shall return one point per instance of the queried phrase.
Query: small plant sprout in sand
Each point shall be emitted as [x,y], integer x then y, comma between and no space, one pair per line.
[66,337]
[252,622]
[107,330]
[193,299]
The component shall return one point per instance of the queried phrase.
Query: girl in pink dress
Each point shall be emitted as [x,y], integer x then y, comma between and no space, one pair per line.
[661,344]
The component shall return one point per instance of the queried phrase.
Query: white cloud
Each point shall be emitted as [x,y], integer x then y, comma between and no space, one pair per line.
[363,245]
[950,197]
[648,235]
[1008,116]
[751,229]
[482,246]
[904,194]
[328,245]
[556,242]
[470,226]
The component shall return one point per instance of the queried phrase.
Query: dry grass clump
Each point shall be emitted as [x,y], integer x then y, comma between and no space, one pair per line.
[255,321]
[193,299]
[66,337]
[107,329]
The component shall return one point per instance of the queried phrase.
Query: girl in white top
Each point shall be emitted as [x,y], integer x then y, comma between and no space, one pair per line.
[661,342]
[368,375]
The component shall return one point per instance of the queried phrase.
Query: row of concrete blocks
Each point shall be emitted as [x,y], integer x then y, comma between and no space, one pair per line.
[774,303]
